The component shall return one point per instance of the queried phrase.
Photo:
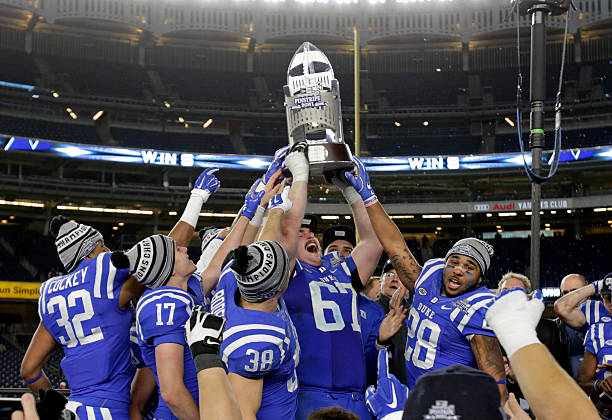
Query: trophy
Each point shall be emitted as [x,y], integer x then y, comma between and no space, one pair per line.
[312,105]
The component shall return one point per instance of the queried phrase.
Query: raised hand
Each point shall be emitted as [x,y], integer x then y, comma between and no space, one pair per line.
[361,182]
[390,396]
[514,318]
[251,202]
[276,163]
[338,179]
[204,334]
[206,184]
[281,200]
[297,162]
[391,324]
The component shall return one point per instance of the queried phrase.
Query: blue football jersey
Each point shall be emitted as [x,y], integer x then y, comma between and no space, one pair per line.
[323,307]
[594,311]
[161,315]
[440,327]
[260,344]
[598,341]
[371,315]
[81,311]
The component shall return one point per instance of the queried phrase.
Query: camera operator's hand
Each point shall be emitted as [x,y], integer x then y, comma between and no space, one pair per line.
[297,162]
[29,409]
[361,182]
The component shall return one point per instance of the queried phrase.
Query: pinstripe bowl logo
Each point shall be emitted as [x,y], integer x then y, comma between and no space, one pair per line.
[422,291]
[606,319]
[608,342]
[463,305]
[335,262]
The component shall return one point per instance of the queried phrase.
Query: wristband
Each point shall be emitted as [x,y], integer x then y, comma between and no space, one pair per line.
[257,217]
[192,210]
[597,286]
[501,382]
[207,361]
[31,381]
[595,384]
[351,195]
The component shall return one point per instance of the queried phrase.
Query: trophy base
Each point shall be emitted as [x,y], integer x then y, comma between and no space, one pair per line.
[328,157]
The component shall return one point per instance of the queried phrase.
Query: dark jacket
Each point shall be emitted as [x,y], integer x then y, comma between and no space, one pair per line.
[397,364]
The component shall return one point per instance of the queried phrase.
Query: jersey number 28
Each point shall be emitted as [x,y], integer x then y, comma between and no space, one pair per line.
[419,329]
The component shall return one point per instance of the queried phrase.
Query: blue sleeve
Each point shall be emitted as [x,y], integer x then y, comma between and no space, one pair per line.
[589,341]
[108,281]
[135,352]
[428,271]
[251,358]
[163,320]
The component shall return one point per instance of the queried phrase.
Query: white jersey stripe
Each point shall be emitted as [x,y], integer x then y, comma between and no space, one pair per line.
[110,281]
[106,414]
[430,270]
[91,415]
[98,279]
[602,339]
[153,297]
[596,310]
[238,328]
[254,338]
[346,269]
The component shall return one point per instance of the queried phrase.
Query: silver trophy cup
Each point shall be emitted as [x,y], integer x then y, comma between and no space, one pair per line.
[312,105]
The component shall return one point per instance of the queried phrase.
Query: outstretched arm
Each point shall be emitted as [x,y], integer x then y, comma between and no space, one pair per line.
[205,185]
[297,162]
[386,230]
[367,252]
[550,391]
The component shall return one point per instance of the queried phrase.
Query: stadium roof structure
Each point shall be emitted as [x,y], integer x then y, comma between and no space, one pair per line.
[263,20]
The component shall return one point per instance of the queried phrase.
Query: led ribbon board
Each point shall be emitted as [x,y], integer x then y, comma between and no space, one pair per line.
[374,164]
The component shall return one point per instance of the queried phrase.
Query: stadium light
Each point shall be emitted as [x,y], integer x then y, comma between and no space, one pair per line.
[210,214]
[397,124]
[98,115]
[121,224]
[55,94]
[21,203]
[207,123]
[425,123]
[115,228]
[167,104]
[181,120]
[547,225]
[73,115]
[509,121]
[509,214]
[325,217]
[69,110]
[406,216]
[439,228]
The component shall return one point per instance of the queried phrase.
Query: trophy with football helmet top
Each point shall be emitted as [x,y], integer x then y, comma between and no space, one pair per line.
[312,106]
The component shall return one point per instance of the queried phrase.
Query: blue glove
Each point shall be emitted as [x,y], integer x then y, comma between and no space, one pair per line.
[388,400]
[361,183]
[206,184]
[251,201]
[275,165]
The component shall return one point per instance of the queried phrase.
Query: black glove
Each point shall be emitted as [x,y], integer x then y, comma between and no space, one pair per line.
[204,334]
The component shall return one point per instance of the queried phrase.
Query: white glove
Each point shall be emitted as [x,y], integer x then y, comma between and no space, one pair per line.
[281,201]
[297,162]
[348,191]
[514,319]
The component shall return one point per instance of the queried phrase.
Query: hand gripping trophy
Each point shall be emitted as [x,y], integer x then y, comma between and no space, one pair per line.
[312,105]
